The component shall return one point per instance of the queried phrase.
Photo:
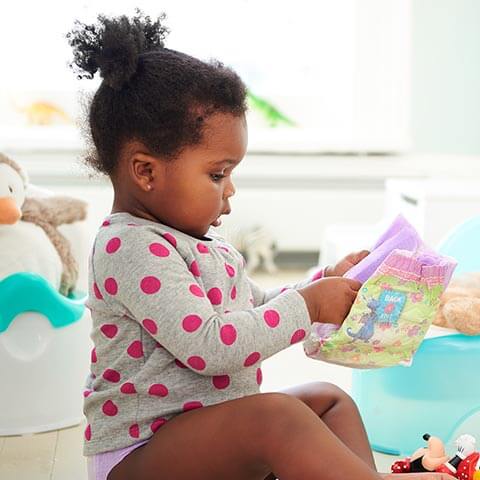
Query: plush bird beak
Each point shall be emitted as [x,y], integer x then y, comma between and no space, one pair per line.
[9,212]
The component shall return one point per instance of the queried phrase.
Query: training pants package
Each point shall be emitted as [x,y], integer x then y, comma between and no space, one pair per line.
[402,283]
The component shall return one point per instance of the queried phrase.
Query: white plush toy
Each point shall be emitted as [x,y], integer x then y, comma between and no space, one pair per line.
[29,238]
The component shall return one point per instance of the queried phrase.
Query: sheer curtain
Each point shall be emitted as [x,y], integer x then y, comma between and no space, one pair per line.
[339,70]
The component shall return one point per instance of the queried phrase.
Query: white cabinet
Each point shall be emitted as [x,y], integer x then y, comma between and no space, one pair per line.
[433,206]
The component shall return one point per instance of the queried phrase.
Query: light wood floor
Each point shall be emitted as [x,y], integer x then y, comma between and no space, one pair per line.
[57,455]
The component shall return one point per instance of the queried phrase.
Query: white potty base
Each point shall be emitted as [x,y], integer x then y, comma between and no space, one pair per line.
[43,371]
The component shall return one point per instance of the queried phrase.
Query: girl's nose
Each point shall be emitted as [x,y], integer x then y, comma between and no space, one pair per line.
[229,189]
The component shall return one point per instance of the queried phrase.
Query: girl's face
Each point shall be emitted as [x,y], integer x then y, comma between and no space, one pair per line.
[191,192]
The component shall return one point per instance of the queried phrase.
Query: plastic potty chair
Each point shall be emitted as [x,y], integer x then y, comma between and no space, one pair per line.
[43,356]
[441,390]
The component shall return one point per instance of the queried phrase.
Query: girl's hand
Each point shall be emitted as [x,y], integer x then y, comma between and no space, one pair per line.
[345,264]
[329,299]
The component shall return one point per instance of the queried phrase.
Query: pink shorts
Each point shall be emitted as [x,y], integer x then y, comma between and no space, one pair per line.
[100,465]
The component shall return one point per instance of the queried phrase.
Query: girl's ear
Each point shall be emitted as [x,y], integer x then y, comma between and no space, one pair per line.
[143,169]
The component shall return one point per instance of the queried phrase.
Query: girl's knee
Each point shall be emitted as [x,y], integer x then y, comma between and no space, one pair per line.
[271,406]
[275,414]
[336,395]
[333,391]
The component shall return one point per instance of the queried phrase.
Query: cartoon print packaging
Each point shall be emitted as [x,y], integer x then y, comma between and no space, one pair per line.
[402,283]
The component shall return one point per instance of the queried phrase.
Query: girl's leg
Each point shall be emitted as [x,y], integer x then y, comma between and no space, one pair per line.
[340,414]
[245,439]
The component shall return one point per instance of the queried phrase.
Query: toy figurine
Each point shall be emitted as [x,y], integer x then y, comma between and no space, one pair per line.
[464,465]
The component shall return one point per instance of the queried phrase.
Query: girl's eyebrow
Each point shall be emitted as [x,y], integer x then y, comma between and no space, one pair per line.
[226,160]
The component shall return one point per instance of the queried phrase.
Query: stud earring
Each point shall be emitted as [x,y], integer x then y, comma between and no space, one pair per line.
[149,187]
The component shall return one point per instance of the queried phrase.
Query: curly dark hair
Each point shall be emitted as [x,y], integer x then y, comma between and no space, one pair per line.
[158,96]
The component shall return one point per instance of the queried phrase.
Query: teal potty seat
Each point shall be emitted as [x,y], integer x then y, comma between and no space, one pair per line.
[29,292]
[44,355]
[437,394]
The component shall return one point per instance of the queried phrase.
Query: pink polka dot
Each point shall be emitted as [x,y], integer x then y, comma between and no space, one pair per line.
[156,424]
[259,376]
[158,389]
[135,349]
[86,393]
[88,433]
[109,408]
[109,330]
[221,381]
[105,223]
[170,238]
[202,248]
[179,363]
[97,292]
[252,359]
[215,296]
[150,326]
[93,356]
[284,289]
[233,293]
[111,375]
[191,323]
[228,334]
[272,318]
[128,387]
[150,285]
[230,270]
[318,275]
[111,286]
[191,406]
[159,250]
[196,362]
[113,245]
[194,269]
[196,290]
[298,335]
[134,430]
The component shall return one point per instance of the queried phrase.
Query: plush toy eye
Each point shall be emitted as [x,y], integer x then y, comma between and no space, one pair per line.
[10,188]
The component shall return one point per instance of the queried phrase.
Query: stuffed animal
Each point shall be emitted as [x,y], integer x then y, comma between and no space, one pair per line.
[463,465]
[460,305]
[256,243]
[29,236]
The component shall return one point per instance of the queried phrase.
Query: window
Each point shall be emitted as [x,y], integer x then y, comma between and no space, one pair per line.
[339,70]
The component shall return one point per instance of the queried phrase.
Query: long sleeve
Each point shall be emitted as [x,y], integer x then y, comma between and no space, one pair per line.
[261,296]
[147,279]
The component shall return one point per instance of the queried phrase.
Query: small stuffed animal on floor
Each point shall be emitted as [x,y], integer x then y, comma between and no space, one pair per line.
[464,465]
[460,305]
[29,238]
[257,243]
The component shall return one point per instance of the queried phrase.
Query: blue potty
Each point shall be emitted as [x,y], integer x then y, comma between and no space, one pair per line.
[440,392]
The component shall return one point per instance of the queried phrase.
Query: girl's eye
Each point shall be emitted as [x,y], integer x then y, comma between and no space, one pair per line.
[216,177]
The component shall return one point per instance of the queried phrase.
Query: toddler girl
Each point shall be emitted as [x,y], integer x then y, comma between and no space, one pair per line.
[179,330]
